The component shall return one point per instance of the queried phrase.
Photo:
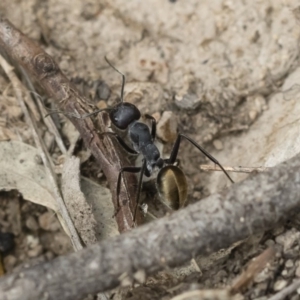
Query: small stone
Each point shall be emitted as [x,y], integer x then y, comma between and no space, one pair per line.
[9,262]
[167,127]
[187,101]
[48,221]
[157,116]
[61,244]
[279,285]
[125,280]
[49,255]
[262,276]
[103,91]
[289,263]
[253,114]
[101,104]
[140,276]
[32,241]
[288,239]
[297,273]
[36,251]
[32,224]
[218,144]
[269,243]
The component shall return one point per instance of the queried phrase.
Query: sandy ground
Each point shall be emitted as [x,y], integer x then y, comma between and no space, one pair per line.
[228,70]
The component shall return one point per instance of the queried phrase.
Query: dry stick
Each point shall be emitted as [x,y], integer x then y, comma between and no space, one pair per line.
[248,207]
[106,150]
[62,208]
[286,291]
[255,267]
[48,121]
[234,169]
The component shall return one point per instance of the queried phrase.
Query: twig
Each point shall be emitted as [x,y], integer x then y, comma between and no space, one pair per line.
[48,121]
[256,266]
[286,291]
[17,85]
[248,207]
[106,150]
[207,295]
[234,169]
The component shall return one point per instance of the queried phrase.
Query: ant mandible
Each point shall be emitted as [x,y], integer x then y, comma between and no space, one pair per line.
[171,181]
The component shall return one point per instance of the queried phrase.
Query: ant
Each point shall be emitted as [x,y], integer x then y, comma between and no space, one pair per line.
[171,181]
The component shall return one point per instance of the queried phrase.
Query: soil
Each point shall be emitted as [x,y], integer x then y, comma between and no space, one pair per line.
[214,64]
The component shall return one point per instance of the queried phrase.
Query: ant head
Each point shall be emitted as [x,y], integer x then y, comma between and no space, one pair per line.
[124,114]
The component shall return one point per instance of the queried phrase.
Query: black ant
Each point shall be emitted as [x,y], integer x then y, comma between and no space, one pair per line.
[171,181]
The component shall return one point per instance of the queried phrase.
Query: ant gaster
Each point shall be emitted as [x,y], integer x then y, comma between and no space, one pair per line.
[171,181]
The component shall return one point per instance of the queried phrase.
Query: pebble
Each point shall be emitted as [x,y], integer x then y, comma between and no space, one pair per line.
[32,224]
[156,116]
[61,244]
[297,273]
[288,239]
[48,221]
[103,91]
[35,251]
[279,285]
[187,101]
[218,144]
[167,127]
[289,263]
[101,104]
[49,255]
[262,276]
[9,262]
[269,243]
[32,241]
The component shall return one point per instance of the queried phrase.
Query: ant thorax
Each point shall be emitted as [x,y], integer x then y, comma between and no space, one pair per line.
[142,142]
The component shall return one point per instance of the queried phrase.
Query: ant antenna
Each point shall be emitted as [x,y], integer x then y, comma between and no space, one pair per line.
[123,78]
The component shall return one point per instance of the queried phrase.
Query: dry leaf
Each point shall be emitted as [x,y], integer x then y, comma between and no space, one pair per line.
[74,199]
[21,169]
[103,210]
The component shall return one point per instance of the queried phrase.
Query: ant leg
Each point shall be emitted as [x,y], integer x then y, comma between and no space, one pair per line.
[175,149]
[139,188]
[73,115]
[120,140]
[153,125]
[123,78]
